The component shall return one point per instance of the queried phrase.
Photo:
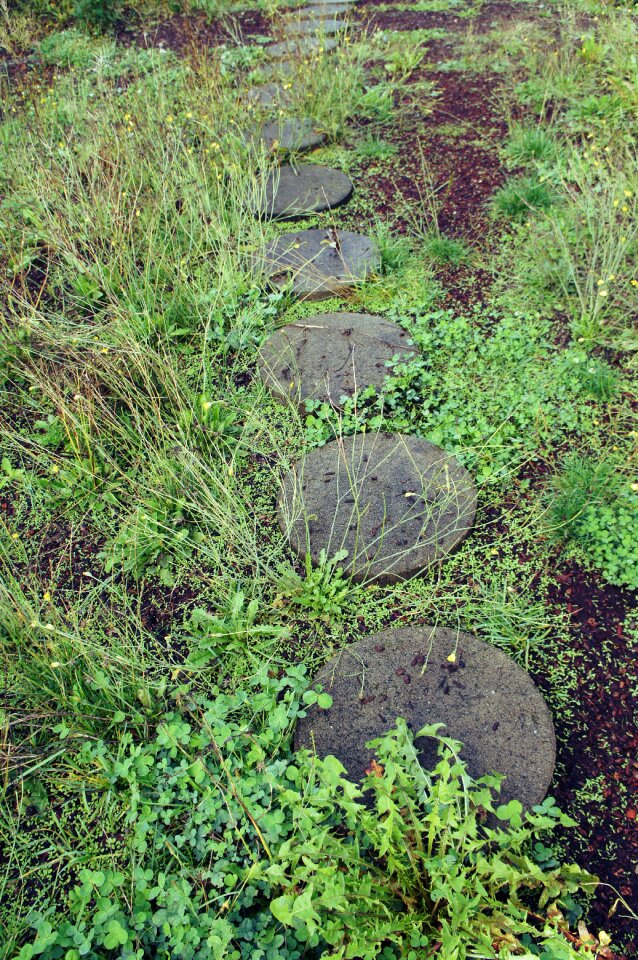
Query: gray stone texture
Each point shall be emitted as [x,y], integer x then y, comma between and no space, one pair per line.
[320,263]
[331,355]
[291,136]
[293,192]
[269,95]
[302,28]
[395,503]
[484,699]
[302,47]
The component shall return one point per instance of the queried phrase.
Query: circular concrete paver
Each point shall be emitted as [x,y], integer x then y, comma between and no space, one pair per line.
[318,263]
[307,27]
[485,700]
[395,503]
[269,95]
[290,136]
[293,192]
[331,355]
[302,47]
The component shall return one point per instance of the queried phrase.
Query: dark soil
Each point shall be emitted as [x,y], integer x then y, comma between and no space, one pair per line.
[191,34]
[601,741]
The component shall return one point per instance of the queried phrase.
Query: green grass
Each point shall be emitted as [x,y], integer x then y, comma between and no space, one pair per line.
[157,635]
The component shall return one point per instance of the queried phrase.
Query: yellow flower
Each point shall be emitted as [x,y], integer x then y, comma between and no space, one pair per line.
[624,208]
[602,293]
[452,658]
[15,536]
[55,664]
[634,487]
[628,193]
[46,596]
[634,283]
[616,202]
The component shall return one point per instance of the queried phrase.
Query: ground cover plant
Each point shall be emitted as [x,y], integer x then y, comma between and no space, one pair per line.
[158,636]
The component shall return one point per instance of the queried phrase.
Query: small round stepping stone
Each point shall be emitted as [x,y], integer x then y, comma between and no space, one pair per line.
[395,503]
[292,192]
[318,263]
[291,136]
[306,46]
[331,355]
[428,675]
[269,95]
[306,27]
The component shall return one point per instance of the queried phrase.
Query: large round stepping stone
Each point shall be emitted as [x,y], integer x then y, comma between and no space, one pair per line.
[292,192]
[318,263]
[269,95]
[331,355]
[291,136]
[305,46]
[307,27]
[395,503]
[434,675]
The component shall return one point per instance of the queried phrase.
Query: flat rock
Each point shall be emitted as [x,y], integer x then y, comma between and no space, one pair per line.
[302,47]
[307,27]
[292,192]
[395,503]
[318,263]
[269,95]
[290,136]
[331,355]
[485,700]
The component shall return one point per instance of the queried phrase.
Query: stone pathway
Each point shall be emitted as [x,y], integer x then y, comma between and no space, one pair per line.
[294,192]
[433,675]
[318,264]
[395,504]
[330,356]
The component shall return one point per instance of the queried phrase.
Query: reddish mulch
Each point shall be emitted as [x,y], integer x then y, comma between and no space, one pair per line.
[601,739]
[465,170]
[194,33]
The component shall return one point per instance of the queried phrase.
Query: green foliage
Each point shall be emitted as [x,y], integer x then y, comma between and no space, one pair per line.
[478,396]
[445,249]
[376,149]
[594,506]
[101,14]
[610,534]
[521,198]
[213,637]
[235,846]
[324,591]
[528,145]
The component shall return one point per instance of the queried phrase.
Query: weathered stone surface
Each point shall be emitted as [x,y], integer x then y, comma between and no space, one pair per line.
[269,95]
[331,355]
[315,26]
[484,699]
[395,503]
[292,192]
[302,47]
[318,263]
[291,136]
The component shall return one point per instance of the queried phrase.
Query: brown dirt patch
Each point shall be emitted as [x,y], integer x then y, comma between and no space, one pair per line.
[191,34]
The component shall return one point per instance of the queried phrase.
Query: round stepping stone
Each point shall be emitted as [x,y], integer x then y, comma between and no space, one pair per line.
[292,192]
[331,355]
[291,136]
[395,503]
[306,46]
[269,95]
[318,263]
[305,27]
[485,700]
